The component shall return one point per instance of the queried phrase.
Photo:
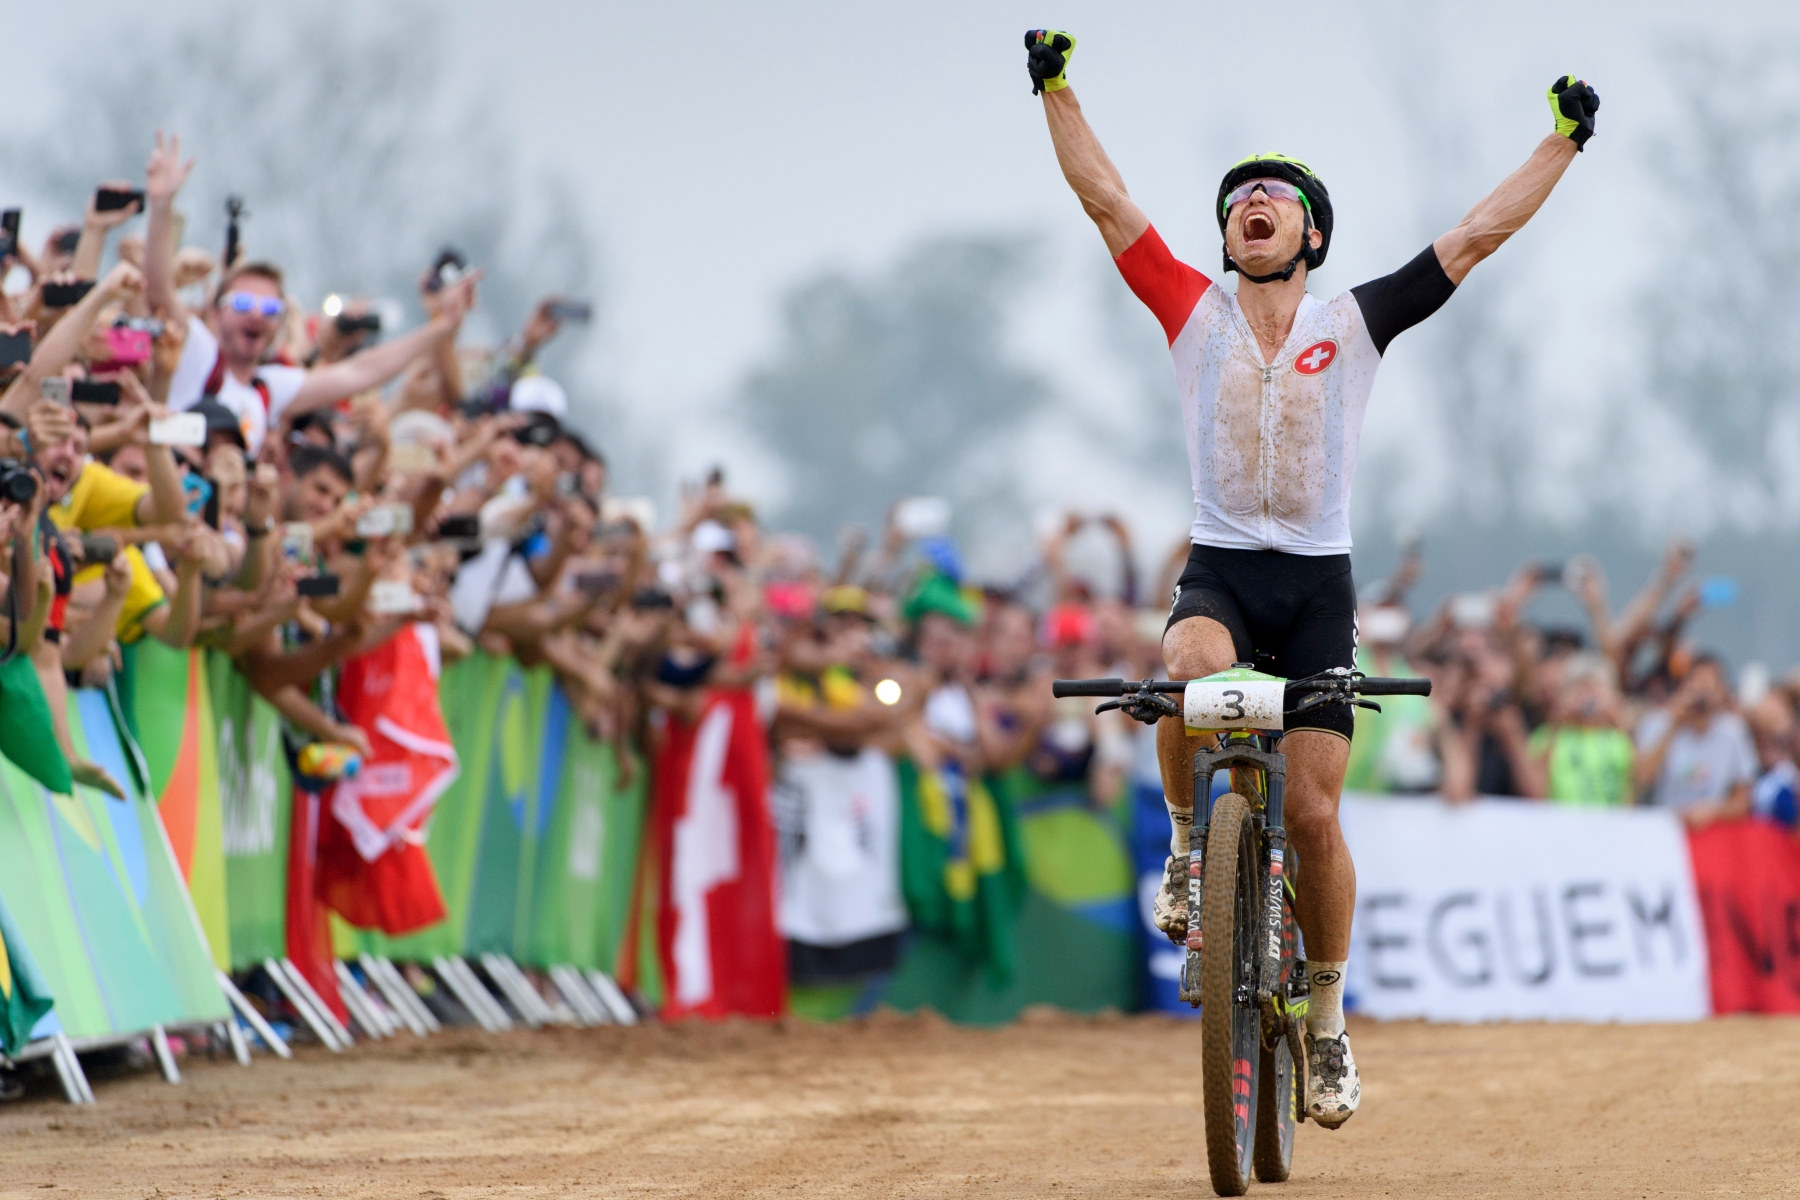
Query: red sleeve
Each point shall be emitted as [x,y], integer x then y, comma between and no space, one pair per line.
[1168,286]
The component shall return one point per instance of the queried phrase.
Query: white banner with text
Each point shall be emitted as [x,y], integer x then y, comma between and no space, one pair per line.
[1515,910]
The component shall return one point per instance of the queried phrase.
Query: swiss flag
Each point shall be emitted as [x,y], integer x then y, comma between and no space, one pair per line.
[373,869]
[716,931]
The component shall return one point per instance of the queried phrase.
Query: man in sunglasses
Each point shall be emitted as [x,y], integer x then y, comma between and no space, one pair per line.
[1273,384]
[225,354]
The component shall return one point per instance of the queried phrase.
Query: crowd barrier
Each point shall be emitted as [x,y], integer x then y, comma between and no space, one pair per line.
[549,849]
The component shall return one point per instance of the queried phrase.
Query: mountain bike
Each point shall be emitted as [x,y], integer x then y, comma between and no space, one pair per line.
[1245,967]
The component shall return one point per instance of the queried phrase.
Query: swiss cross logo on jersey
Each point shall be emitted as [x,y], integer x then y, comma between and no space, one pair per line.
[1316,357]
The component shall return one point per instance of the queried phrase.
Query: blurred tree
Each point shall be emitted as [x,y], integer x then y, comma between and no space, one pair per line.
[357,154]
[1722,303]
[898,383]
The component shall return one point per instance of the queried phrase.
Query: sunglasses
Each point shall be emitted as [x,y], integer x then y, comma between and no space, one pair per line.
[250,302]
[1274,189]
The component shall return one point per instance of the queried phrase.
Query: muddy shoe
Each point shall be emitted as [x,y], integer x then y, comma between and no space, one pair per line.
[1170,910]
[1333,1088]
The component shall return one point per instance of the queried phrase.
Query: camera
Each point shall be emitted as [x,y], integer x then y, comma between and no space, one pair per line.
[348,323]
[17,483]
[9,233]
[448,268]
[98,548]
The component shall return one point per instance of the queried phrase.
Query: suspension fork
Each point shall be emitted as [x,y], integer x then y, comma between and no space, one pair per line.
[1275,843]
[1196,881]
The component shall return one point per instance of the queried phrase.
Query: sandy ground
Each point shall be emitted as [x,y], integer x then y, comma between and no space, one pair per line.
[892,1106]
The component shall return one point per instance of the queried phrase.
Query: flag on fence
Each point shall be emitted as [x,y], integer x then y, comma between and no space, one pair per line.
[27,736]
[716,931]
[23,996]
[373,868]
[961,868]
[1747,874]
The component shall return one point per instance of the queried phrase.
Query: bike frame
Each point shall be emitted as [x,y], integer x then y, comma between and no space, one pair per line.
[1248,750]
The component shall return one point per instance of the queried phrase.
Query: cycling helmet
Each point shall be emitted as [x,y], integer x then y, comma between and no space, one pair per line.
[1312,188]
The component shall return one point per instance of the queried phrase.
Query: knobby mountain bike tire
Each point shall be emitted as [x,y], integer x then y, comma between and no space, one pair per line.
[1230,1022]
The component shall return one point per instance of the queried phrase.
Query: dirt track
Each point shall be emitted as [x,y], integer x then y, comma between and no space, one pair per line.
[1054,1106]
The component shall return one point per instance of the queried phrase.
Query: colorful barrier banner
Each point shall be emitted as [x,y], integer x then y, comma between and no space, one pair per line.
[168,707]
[535,844]
[255,810]
[97,897]
[1748,876]
[1510,910]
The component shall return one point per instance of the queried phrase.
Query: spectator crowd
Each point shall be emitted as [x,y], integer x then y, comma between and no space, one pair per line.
[192,456]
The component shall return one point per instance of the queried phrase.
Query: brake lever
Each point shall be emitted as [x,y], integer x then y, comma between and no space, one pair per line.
[1145,707]
[1368,704]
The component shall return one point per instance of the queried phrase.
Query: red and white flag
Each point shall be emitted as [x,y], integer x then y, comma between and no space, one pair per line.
[720,950]
[373,869]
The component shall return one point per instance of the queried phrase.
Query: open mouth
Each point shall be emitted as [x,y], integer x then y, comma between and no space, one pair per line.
[1258,227]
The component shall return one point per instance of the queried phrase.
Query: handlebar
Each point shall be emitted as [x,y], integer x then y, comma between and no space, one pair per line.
[1394,687]
[1114,687]
[1126,687]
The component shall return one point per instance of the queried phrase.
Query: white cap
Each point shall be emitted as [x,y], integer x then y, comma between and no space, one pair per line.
[538,393]
[710,537]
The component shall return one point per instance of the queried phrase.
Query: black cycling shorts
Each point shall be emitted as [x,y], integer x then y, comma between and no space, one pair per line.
[1292,615]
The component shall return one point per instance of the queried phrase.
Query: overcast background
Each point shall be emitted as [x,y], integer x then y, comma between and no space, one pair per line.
[831,251]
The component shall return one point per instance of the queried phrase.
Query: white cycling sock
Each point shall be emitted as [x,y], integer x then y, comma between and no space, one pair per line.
[1181,826]
[1325,1013]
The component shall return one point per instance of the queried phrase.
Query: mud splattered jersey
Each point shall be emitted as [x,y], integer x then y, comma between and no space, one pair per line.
[1272,445]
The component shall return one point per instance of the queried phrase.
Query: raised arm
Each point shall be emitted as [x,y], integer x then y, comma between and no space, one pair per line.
[64,340]
[1084,164]
[373,367]
[1517,199]
[162,182]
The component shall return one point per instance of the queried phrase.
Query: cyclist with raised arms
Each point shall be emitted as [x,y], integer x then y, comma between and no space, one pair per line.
[1273,385]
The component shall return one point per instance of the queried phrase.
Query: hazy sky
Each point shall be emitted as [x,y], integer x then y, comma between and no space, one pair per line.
[727,150]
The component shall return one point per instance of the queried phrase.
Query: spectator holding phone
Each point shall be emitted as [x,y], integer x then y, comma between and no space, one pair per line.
[1695,754]
[227,361]
[1582,755]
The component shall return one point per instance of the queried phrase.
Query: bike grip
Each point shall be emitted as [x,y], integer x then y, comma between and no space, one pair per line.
[1394,687]
[1087,687]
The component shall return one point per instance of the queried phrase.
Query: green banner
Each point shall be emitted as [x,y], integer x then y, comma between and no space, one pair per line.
[97,898]
[255,799]
[586,857]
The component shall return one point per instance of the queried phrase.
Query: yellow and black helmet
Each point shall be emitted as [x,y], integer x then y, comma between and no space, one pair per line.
[1312,190]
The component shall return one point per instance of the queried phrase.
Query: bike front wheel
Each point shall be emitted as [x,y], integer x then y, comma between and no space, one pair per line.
[1230,1021]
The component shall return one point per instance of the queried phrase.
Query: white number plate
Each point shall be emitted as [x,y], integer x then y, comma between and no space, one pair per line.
[1233,704]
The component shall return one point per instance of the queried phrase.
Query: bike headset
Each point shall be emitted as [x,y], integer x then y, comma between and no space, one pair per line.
[1315,200]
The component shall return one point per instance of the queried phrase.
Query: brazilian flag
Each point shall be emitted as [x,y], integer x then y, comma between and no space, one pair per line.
[961,867]
[27,735]
[23,996]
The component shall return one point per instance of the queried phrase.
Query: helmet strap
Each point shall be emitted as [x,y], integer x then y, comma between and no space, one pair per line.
[1271,277]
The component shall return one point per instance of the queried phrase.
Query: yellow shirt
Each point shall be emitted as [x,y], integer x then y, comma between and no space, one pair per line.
[101,498]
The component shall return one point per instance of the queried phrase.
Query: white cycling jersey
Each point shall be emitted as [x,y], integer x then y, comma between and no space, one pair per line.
[1272,445]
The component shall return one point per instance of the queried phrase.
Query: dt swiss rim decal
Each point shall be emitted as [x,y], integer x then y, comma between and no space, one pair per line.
[1316,357]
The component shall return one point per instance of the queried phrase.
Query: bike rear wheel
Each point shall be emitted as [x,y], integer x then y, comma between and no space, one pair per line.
[1230,1021]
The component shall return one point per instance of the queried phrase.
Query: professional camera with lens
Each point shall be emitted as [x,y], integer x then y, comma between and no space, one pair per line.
[17,484]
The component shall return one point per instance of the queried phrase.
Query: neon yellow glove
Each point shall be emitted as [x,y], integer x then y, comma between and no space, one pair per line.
[1047,54]
[1573,103]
